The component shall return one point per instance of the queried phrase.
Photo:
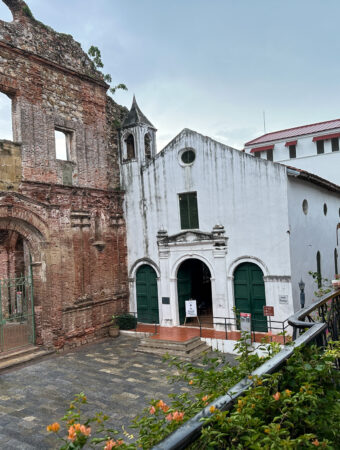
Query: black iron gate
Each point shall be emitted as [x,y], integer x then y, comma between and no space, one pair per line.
[16,313]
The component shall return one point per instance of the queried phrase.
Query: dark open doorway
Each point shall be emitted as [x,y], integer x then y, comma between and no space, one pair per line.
[193,282]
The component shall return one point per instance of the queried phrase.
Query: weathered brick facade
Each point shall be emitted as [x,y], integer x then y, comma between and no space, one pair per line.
[68,212]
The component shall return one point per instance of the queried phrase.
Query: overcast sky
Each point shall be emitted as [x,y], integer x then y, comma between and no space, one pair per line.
[212,65]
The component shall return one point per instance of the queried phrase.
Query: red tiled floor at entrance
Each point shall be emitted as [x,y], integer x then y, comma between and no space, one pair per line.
[182,334]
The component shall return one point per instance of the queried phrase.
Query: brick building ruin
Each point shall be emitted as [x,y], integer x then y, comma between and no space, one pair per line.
[61,217]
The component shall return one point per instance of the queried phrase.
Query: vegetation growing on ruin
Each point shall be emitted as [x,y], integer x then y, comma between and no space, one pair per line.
[297,407]
[96,58]
[28,13]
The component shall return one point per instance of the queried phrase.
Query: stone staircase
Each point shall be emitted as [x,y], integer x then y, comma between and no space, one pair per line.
[21,356]
[189,350]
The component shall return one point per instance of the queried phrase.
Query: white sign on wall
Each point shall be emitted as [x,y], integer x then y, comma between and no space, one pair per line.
[190,308]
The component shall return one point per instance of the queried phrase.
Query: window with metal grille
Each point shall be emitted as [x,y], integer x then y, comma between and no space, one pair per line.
[336,261]
[318,269]
[270,155]
[292,151]
[335,144]
[257,155]
[188,210]
[320,147]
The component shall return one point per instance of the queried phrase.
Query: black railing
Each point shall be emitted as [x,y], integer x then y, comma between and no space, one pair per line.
[322,325]
[232,324]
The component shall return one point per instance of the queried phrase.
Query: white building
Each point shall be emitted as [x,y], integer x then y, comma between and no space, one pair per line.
[314,148]
[209,222]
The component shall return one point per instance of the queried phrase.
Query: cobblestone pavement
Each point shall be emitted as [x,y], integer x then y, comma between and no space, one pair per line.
[116,380]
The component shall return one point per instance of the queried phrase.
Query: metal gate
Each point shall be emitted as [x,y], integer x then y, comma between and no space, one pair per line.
[16,313]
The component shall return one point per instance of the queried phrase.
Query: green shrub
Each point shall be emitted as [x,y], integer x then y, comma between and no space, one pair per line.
[126,321]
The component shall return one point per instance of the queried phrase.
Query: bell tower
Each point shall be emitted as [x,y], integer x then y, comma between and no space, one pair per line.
[138,137]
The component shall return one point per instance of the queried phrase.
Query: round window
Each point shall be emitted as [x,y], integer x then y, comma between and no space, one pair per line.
[305,206]
[188,156]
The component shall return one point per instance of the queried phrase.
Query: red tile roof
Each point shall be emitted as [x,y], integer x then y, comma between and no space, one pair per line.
[297,131]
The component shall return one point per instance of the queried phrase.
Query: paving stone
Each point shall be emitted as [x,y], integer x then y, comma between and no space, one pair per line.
[115,379]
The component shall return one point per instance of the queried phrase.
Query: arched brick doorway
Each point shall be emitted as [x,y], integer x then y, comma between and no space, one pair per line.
[19,253]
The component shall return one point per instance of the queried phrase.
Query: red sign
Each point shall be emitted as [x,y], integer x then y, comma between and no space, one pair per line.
[268,311]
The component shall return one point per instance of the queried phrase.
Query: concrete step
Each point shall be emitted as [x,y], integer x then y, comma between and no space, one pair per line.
[171,345]
[22,356]
[186,351]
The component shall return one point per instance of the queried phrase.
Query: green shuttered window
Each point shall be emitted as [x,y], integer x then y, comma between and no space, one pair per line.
[188,210]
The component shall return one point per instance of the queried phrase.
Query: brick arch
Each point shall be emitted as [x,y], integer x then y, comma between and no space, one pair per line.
[17,8]
[22,212]
[31,234]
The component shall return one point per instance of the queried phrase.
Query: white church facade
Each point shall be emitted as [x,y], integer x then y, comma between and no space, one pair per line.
[208,222]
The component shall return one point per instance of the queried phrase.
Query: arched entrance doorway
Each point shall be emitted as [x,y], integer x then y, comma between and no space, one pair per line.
[193,282]
[147,295]
[16,291]
[249,294]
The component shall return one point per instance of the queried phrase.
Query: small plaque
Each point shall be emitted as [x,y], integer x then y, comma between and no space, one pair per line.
[283,299]
[268,311]
[166,300]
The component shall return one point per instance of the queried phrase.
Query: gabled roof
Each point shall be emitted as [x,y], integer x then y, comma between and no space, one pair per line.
[135,117]
[297,131]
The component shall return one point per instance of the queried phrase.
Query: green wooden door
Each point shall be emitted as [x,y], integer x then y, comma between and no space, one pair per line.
[250,294]
[184,289]
[147,295]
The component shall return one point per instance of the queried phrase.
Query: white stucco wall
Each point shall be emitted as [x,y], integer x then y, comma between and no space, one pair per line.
[311,232]
[246,195]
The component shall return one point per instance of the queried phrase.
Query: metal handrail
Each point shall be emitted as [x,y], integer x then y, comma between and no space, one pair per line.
[190,430]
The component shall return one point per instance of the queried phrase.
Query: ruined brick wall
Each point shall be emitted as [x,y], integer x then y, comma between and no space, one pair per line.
[10,167]
[69,212]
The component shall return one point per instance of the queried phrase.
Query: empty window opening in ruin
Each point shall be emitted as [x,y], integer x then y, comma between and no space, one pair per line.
[130,147]
[147,146]
[6,128]
[5,13]
[62,144]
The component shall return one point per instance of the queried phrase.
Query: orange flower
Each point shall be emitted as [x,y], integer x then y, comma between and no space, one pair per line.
[78,428]
[191,382]
[177,416]
[163,406]
[85,430]
[205,398]
[71,433]
[109,445]
[55,427]
[277,396]
[212,409]
[288,392]
[316,443]
[152,410]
